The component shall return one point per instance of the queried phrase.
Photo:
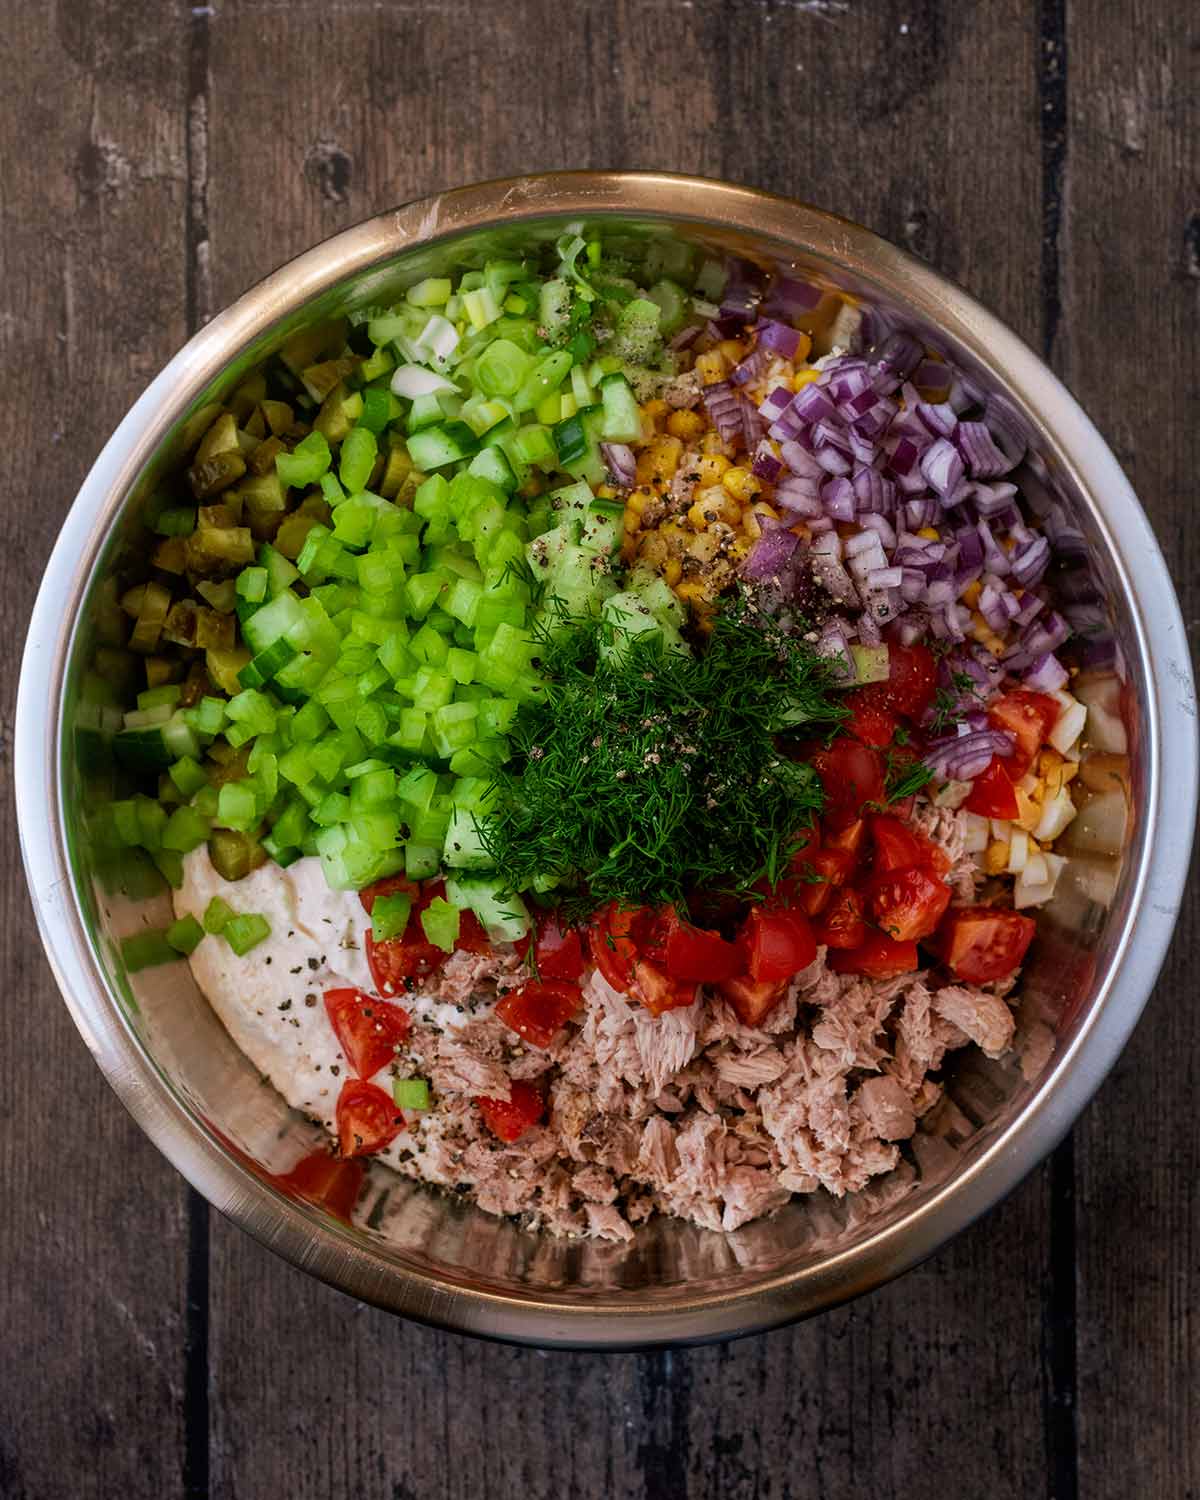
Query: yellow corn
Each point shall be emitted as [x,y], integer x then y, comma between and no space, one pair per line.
[741,484]
[995,857]
[639,499]
[729,510]
[711,443]
[804,377]
[699,517]
[605,492]
[709,468]
[692,590]
[1029,811]
[761,508]
[687,425]
[657,462]
[930,533]
[656,410]
[803,349]
[704,546]
[739,549]
[710,366]
[653,550]
[970,595]
[673,571]
[985,635]
[732,349]
[631,519]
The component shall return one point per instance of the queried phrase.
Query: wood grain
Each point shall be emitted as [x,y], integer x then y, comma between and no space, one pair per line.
[92,1240]
[1129,349]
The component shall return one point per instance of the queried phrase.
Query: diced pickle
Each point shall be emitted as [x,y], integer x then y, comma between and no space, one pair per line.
[224,666]
[221,437]
[162,669]
[171,554]
[262,460]
[331,421]
[215,632]
[279,418]
[215,549]
[196,426]
[131,600]
[309,344]
[195,686]
[235,854]
[291,536]
[221,596]
[215,475]
[256,425]
[321,379]
[180,624]
[245,400]
[120,668]
[155,603]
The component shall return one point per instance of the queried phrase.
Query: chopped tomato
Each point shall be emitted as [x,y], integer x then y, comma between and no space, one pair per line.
[871,719]
[753,1000]
[842,925]
[1028,717]
[558,952]
[368,1030]
[367,1118]
[511,1118]
[819,873]
[849,838]
[400,959]
[389,886]
[912,679]
[878,958]
[694,954]
[539,1009]
[993,795]
[657,990]
[472,938]
[897,847]
[909,904]
[612,942]
[330,1182]
[778,944]
[979,943]
[851,775]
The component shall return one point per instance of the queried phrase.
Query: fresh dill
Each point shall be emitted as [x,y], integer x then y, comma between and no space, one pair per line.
[904,777]
[647,772]
[951,703]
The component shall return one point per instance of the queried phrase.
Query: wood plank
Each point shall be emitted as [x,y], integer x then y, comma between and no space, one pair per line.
[1128,348]
[875,115]
[93,1242]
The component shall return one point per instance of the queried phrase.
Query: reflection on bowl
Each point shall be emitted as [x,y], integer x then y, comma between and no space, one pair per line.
[435,1256]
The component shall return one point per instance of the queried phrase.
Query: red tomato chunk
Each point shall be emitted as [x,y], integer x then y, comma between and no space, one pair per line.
[509,1119]
[539,1009]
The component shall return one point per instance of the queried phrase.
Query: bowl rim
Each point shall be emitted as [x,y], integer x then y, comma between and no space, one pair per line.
[618,1321]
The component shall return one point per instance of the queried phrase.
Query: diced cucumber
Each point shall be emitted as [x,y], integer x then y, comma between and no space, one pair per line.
[622,421]
[505,917]
[435,447]
[464,848]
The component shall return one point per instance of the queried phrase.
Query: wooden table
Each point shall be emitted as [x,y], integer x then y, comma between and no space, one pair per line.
[157,160]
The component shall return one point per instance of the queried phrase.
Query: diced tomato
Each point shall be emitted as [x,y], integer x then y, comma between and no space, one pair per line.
[612,943]
[817,877]
[657,990]
[367,1118]
[539,1009]
[558,952]
[472,938]
[850,838]
[897,846]
[909,904]
[851,775]
[871,719]
[778,944]
[330,1182]
[1029,717]
[979,943]
[753,1000]
[878,958]
[509,1119]
[693,954]
[842,925]
[993,795]
[368,1030]
[912,679]
[400,959]
[390,885]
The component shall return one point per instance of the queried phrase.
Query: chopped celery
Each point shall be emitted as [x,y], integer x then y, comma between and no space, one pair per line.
[410,1093]
[440,922]
[185,935]
[389,915]
[145,950]
[245,932]
[216,914]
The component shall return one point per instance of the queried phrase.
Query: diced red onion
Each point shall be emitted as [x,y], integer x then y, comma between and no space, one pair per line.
[940,419]
[1047,674]
[812,404]
[780,337]
[800,496]
[932,375]
[620,463]
[873,493]
[885,578]
[862,449]
[991,499]
[789,297]
[800,460]
[828,546]
[752,423]
[1031,606]
[771,554]
[912,586]
[919,513]
[942,466]
[775,403]
[832,460]
[766,465]
[983,458]
[833,578]
[997,606]
[882,528]
[869,632]
[837,497]
[724,410]
[962,758]
[903,457]
[1029,563]
[1006,427]
[749,369]
[685,338]
[833,645]
[898,357]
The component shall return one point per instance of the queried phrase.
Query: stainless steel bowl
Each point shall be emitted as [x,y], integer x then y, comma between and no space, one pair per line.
[433,1257]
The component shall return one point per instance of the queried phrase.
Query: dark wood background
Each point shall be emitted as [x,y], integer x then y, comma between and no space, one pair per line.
[155,159]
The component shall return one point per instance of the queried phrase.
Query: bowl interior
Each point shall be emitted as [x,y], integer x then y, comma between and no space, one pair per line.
[430,1254]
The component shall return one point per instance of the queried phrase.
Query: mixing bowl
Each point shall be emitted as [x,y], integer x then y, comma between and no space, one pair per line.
[436,1257]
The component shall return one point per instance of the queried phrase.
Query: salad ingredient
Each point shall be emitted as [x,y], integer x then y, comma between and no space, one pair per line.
[367,1118]
[539,1009]
[510,1118]
[981,943]
[370,1031]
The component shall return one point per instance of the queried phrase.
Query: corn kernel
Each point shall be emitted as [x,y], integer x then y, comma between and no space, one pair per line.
[751,526]
[709,468]
[632,520]
[761,508]
[656,464]
[704,546]
[639,499]
[698,516]
[653,550]
[732,349]
[711,443]
[687,425]
[803,349]
[729,510]
[1029,811]
[740,549]
[995,857]
[930,533]
[692,590]
[741,484]
[970,595]
[805,377]
[710,366]
[605,492]
[673,571]
[656,410]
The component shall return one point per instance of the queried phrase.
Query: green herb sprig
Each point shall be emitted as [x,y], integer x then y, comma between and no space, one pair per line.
[647,773]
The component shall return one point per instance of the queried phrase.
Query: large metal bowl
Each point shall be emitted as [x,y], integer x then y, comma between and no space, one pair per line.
[436,1258]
